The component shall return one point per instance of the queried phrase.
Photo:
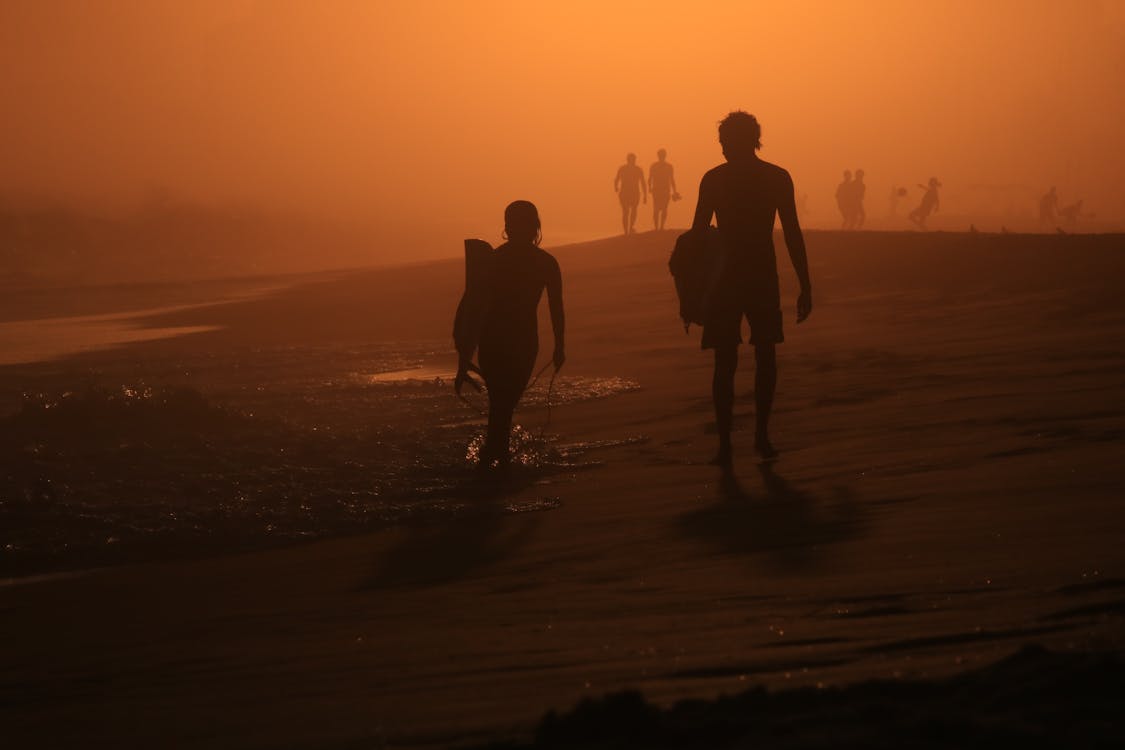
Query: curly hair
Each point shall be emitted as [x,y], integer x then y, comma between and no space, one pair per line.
[739,131]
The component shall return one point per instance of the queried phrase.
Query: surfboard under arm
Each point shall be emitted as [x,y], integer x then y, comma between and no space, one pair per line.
[474,302]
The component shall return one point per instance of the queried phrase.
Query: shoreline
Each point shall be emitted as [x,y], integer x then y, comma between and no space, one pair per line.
[948,489]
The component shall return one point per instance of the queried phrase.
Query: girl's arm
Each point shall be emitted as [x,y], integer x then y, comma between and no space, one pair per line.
[558,317]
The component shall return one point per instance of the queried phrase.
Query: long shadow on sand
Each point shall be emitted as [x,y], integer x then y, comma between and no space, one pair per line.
[493,524]
[785,526]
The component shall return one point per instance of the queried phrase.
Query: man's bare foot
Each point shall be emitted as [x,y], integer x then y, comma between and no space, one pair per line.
[765,450]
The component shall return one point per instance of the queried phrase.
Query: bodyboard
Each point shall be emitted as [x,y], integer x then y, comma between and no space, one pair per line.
[696,265]
[475,301]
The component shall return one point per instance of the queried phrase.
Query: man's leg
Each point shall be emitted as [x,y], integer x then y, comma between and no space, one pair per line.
[765,383]
[722,392]
[633,218]
[624,218]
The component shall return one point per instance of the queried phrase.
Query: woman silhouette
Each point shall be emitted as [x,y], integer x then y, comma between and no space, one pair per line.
[509,336]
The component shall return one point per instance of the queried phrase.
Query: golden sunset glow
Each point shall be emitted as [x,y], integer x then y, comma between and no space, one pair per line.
[421,120]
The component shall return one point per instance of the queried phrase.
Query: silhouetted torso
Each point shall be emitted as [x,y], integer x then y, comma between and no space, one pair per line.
[929,200]
[660,179]
[631,178]
[509,339]
[746,196]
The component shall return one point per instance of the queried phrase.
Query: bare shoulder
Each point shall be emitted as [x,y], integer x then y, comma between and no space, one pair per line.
[775,172]
[715,173]
[547,262]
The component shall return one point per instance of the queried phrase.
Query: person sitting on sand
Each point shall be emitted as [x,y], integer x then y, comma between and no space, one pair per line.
[629,184]
[928,205]
[662,185]
[1072,213]
[509,337]
[744,195]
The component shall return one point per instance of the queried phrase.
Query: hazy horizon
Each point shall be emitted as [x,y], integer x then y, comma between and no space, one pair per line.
[420,122]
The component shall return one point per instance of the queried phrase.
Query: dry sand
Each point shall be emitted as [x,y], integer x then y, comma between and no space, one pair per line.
[950,420]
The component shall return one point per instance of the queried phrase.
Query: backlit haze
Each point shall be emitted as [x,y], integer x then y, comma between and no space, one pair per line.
[417,122]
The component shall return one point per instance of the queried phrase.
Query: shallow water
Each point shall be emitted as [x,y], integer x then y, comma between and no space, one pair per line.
[291,443]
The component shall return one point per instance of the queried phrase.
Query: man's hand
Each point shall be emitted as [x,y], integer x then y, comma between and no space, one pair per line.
[804,305]
[560,358]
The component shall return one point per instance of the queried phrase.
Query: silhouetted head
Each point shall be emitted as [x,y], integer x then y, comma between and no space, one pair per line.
[859,175]
[1052,190]
[847,175]
[740,135]
[521,223]
[631,158]
[661,154]
[934,182]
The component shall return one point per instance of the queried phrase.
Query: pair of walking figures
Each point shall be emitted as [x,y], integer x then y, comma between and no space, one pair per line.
[497,320]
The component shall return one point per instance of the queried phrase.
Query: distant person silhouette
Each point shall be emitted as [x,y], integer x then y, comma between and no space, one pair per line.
[745,195]
[843,198]
[1049,208]
[1072,213]
[858,193]
[662,185]
[629,184]
[509,337]
[928,205]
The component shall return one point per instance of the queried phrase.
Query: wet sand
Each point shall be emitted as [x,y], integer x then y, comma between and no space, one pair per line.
[951,420]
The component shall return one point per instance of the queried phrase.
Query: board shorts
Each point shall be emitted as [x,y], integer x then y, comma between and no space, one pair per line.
[756,297]
[629,200]
[660,199]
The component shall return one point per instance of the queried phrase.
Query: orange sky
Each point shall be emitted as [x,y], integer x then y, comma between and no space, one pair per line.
[424,119]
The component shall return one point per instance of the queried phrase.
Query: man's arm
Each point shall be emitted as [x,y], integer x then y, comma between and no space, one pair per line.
[672,177]
[617,182]
[795,243]
[558,318]
[704,206]
[644,190]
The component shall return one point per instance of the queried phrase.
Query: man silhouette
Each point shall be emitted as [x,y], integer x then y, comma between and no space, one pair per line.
[662,185]
[929,204]
[843,198]
[629,184]
[859,192]
[744,195]
[1049,208]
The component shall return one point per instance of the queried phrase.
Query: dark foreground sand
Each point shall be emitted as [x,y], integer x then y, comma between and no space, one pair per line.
[951,421]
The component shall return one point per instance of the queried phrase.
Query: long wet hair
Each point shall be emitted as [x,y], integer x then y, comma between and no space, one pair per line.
[522,217]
